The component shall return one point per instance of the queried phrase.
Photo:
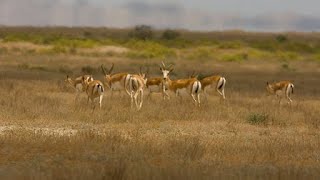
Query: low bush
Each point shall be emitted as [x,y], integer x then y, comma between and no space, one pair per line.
[235,57]
[148,49]
[257,118]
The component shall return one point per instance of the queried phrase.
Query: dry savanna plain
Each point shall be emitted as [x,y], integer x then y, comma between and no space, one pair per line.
[45,133]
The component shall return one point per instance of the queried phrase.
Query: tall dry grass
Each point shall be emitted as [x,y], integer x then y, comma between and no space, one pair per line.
[46,134]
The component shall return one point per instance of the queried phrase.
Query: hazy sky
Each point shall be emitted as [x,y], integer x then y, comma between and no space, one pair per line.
[257,15]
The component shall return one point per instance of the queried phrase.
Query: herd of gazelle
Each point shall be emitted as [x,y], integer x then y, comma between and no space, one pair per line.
[135,84]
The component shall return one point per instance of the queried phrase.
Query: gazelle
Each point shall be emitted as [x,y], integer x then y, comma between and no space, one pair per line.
[115,82]
[281,88]
[217,82]
[94,89]
[155,85]
[192,85]
[136,85]
[77,83]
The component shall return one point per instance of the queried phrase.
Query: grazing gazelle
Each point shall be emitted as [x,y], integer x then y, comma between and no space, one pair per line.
[192,85]
[216,82]
[136,85]
[281,88]
[115,82]
[94,89]
[77,83]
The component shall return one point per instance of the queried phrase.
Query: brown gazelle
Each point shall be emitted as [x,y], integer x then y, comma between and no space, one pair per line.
[192,85]
[94,89]
[155,85]
[281,88]
[77,83]
[216,82]
[115,82]
[136,85]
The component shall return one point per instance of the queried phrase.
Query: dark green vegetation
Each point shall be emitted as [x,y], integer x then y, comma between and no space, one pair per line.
[145,42]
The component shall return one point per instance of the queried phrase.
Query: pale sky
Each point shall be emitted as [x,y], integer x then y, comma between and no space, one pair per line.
[253,15]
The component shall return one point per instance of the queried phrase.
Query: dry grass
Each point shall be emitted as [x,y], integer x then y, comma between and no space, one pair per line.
[45,134]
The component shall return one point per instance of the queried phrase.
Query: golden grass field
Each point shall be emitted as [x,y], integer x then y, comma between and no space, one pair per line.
[46,134]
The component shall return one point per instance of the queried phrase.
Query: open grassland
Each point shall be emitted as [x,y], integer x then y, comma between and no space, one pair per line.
[46,134]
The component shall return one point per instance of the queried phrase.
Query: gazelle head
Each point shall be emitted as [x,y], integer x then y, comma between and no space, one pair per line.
[68,79]
[85,81]
[269,88]
[144,75]
[194,75]
[107,74]
[166,70]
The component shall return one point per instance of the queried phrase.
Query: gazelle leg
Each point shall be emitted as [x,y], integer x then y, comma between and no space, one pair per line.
[223,95]
[205,94]
[289,99]
[100,100]
[136,99]
[131,97]
[141,99]
[279,99]
[194,99]
[198,95]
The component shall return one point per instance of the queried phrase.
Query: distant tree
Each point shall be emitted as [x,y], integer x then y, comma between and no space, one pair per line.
[281,38]
[170,34]
[143,32]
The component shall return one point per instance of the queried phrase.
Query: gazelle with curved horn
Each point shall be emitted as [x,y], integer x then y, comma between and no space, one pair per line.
[94,89]
[191,85]
[281,88]
[77,83]
[216,82]
[136,85]
[115,82]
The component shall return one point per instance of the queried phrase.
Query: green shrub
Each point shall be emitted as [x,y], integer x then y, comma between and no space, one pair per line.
[148,49]
[257,118]
[76,43]
[12,38]
[58,49]
[287,56]
[24,66]
[142,32]
[201,53]
[230,45]
[235,57]
[317,57]
[170,34]
[281,38]
[39,68]
[265,45]
[285,66]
